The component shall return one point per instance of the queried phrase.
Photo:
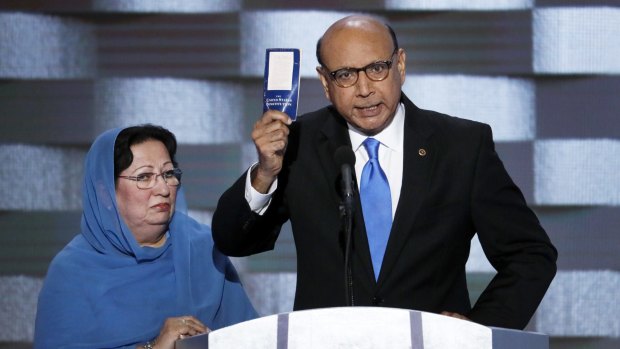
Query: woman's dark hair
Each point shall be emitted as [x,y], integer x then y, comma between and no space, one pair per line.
[123,157]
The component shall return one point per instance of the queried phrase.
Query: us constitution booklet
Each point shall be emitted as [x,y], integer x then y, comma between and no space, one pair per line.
[281,86]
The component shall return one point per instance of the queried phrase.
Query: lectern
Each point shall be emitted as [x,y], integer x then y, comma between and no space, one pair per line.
[363,327]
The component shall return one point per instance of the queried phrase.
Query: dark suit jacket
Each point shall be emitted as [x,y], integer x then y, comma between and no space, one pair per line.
[457,188]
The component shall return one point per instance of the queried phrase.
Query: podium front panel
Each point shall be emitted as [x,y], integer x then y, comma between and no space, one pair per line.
[363,327]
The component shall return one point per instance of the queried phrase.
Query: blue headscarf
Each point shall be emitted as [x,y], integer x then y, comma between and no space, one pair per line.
[104,290]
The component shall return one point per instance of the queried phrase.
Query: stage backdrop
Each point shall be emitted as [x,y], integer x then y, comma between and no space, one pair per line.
[545,74]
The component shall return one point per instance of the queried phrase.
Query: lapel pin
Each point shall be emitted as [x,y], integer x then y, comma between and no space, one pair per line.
[422,152]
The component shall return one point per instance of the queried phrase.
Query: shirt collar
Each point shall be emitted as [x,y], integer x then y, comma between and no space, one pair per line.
[391,136]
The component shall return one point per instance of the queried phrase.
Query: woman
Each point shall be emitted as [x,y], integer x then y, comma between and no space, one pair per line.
[141,273]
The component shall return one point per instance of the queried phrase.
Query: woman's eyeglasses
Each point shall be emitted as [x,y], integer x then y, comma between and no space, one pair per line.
[148,180]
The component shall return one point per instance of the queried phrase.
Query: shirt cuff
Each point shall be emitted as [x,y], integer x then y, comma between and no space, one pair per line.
[258,202]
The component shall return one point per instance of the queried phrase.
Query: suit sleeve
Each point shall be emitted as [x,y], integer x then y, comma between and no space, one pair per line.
[514,242]
[238,231]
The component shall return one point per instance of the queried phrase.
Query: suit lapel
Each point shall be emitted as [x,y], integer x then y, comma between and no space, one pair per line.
[418,159]
[334,134]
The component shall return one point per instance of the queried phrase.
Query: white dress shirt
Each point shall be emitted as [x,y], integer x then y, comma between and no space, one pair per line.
[390,153]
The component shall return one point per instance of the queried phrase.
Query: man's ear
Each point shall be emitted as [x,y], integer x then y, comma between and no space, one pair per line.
[402,65]
[324,82]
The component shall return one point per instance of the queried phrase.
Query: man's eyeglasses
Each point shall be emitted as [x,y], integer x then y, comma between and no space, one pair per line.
[148,180]
[377,71]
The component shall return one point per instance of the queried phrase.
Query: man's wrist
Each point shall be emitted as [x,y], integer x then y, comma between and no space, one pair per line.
[259,181]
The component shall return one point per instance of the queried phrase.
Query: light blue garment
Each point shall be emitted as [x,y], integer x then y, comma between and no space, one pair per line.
[104,290]
[376,205]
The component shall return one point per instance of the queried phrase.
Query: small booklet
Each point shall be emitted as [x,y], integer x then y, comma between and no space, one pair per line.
[281,87]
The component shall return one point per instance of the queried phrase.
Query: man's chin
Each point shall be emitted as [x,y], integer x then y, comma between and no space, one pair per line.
[371,128]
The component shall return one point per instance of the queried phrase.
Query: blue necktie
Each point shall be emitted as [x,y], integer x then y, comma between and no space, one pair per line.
[376,205]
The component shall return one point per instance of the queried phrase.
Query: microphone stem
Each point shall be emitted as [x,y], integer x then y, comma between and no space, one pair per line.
[348,228]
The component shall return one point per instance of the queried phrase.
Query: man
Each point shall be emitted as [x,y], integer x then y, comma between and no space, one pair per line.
[438,181]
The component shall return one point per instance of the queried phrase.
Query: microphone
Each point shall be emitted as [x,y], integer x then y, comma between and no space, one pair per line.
[346,159]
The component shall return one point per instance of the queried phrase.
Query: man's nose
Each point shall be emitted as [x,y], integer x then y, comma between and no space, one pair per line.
[364,84]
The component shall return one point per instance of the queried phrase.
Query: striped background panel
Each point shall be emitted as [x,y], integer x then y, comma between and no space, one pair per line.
[543,73]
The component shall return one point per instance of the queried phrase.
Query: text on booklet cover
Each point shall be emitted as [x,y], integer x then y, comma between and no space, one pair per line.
[281,87]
